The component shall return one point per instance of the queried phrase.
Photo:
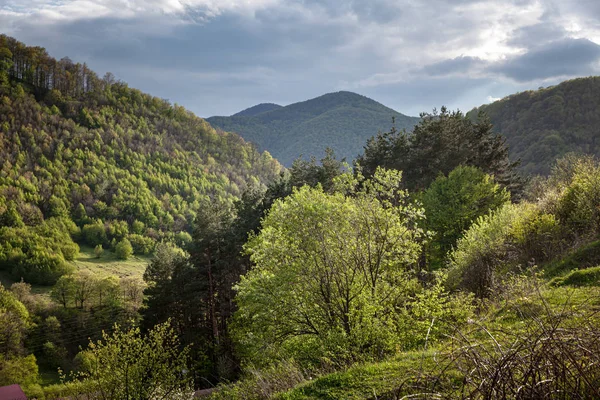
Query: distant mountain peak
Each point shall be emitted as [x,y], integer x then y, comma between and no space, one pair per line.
[257,109]
[340,120]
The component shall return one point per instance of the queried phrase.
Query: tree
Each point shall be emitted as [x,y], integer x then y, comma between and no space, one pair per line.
[128,365]
[14,321]
[454,202]
[331,271]
[98,250]
[123,249]
[440,142]
[310,173]
[63,292]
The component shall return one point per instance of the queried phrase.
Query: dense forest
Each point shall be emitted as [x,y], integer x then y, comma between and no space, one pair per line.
[543,125]
[89,160]
[430,268]
[342,121]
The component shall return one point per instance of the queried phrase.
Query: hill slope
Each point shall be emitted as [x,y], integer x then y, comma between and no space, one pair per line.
[542,125]
[99,162]
[257,109]
[343,121]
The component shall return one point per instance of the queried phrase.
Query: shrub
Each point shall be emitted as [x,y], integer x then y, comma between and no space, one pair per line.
[94,234]
[452,204]
[36,254]
[578,206]
[554,356]
[98,250]
[141,244]
[513,236]
[123,249]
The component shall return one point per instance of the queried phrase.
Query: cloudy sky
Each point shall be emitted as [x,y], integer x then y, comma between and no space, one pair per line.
[217,57]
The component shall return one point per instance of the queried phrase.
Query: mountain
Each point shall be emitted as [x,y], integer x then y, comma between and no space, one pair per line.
[92,161]
[257,109]
[343,121]
[542,125]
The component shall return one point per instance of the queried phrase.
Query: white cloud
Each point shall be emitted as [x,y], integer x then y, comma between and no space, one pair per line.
[72,10]
[301,46]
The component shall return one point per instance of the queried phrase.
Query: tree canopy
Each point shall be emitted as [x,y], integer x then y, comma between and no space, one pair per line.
[439,143]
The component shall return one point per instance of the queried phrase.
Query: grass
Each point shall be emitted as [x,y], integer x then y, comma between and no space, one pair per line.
[583,257]
[580,277]
[401,375]
[421,372]
[109,264]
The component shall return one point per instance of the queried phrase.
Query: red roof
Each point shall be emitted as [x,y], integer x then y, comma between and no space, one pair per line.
[12,392]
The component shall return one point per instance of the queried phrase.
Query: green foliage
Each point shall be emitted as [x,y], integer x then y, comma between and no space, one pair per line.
[542,125]
[14,321]
[113,159]
[332,274]
[37,254]
[19,370]
[578,204]
[98,250]
[452,204]
[310,173]
[126,364]
[145,245]
[581,277]
[440,142]
[94,234]
[512,236]
[584,256]
[342,121]
[123,249]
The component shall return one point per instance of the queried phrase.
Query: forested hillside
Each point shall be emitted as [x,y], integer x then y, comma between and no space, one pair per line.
[342,121]
[257,109]
[429,270]
[542,125]
[90,160]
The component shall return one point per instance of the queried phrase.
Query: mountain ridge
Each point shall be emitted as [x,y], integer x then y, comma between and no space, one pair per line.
[545,124]
[341,120]
[257,109]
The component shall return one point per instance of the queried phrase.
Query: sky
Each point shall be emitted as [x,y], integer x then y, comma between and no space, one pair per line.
[217,57]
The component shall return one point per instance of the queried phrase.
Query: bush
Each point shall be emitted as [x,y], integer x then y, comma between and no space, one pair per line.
[94,234]
[511,237]
[578,206]
[554,356]
[123,249]
[98,250]
[585,256]
[36,254]
[141,244]
[452,204]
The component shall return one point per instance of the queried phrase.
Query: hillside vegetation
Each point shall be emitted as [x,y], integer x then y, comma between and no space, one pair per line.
[90,160]
[516,317]
[257,109]
[342,121]
[427,271]
[542,125]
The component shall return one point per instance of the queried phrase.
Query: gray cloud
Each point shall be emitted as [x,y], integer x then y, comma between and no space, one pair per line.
[219,57]
[458,65]
[567,57]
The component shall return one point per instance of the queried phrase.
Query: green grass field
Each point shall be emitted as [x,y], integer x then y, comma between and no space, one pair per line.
[109,264]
